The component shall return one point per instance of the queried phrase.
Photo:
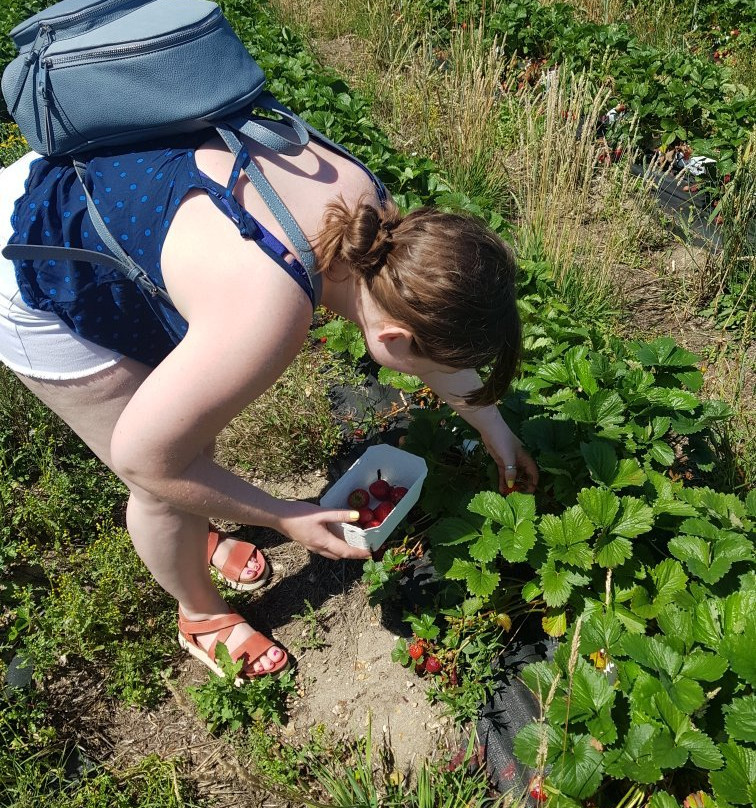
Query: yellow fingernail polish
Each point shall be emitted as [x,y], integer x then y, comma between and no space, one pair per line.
[354,515]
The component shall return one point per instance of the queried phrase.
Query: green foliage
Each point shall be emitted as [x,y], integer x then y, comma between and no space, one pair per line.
[649,578]
[224,705]
[98,604]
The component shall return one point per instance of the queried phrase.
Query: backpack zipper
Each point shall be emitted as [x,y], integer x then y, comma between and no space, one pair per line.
[52,62]
[51,23]
[30,57]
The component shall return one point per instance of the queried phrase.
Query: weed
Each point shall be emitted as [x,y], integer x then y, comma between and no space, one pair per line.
[93,606]
[226,706]
[314,623]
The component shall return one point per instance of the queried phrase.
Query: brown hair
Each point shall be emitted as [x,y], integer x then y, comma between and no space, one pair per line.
[447,277]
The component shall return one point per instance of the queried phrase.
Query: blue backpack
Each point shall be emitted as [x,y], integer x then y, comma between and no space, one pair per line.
[97,73]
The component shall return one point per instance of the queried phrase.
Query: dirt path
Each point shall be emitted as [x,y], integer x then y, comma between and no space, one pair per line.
[345,678]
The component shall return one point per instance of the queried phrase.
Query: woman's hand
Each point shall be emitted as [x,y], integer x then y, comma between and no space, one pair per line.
[515,464]
[308,524]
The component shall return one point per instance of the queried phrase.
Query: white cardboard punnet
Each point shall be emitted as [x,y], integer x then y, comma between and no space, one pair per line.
[397,468]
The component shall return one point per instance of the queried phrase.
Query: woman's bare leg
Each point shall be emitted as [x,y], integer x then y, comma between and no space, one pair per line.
[171,542]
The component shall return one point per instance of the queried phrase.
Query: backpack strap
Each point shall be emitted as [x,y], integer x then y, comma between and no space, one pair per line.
[277,208]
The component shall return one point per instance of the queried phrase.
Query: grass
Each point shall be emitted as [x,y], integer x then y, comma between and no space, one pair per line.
[290,428]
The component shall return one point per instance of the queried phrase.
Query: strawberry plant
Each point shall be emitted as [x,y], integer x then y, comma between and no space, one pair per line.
[646,574]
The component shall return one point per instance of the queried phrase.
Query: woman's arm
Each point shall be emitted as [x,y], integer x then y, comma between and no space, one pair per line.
[514,463]
[247,321]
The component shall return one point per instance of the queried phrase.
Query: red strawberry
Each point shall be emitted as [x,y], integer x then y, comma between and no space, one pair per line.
[536,789]
[383,510]
[366,515]
[432,664]
[420,666]
[368,525]
[397,492]
[415,650]
[359,498]
[380,489]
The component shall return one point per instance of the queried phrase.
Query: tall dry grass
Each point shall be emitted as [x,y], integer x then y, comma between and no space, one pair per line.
[589,215]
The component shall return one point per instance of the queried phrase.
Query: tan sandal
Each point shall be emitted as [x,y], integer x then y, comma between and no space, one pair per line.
[236,563]
[251,649]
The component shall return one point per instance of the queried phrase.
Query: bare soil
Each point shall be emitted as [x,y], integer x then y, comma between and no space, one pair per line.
[345,677]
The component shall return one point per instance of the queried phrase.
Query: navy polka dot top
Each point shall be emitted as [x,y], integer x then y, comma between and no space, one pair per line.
[137,194]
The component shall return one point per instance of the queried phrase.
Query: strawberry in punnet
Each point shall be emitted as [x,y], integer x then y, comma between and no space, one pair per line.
[359,498]
[368,525]
[433,664]
[383,510]
[380,489]
[536,789]
[415,650]
[397,493]
[366,515]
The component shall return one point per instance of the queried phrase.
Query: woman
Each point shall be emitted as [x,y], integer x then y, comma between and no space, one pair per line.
[432,293]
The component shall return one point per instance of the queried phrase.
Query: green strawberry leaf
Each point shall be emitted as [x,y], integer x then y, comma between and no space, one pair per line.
[530,591]
[486,548]
[736,783]
[700,527]
[491,505]
[703,666]
[611,551]
[674,399]
[601,630]
[557,584]
[738,650]
[703,751]
[554,622]
[663,800]
[740,719]
[600,505]
[452,530]
[662,452]
[538,678]
[677,624]
[482,582]
[634,760]
[571,527]
[663,352]
[535,738]
[578,770]
[578,555]
[751,503]
[629,473]
[707,623]
[653,652]
[401,381]
[668,578]
[636,518]
[601,460]
[516,543]
[686,694]
[666,753]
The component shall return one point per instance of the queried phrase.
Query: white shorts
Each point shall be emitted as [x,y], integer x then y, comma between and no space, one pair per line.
[32,342]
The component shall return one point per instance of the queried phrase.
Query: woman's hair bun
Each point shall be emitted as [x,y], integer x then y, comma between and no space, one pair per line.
[361,236]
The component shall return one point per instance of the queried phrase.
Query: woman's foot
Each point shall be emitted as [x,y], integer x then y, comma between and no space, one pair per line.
[201,635]
[240,563]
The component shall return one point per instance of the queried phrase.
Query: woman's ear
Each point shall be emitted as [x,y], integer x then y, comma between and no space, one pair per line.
[395,336]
